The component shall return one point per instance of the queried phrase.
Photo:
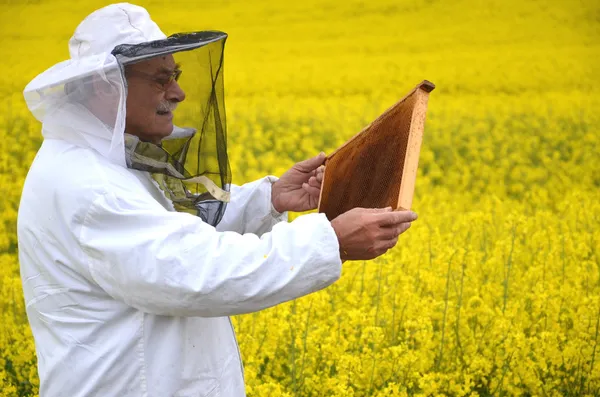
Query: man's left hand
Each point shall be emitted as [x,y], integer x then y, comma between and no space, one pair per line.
[299,188]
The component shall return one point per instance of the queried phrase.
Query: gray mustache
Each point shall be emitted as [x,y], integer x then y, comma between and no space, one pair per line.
[167,106]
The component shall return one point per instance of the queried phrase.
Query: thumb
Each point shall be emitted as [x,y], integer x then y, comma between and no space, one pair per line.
[386,209]
[312,163]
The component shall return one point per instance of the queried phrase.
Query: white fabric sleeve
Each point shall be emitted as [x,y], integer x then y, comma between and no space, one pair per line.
[171,263]
[250,209]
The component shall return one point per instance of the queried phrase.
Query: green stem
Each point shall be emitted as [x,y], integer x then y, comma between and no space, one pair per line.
[441,353]
[508,267]
[459,306]
[362,281]
[595,344]
[393,317]
[293,347]
[378,294]
[304,339]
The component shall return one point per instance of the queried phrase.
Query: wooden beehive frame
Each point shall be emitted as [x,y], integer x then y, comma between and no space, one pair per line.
[338,180]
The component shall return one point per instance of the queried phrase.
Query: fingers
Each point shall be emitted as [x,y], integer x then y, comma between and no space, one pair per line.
[313,187]
[386,244]
[366,233]
[318,173]
[375,210]
[313,191]
[381,247]
[404,227]
[389,244]
[314,182]
[395,218]
[312,163]
[389,233]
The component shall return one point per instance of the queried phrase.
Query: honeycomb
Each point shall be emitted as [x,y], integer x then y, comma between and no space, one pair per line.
[377,167]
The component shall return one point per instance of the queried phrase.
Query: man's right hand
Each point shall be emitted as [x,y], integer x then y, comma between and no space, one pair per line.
[366,233]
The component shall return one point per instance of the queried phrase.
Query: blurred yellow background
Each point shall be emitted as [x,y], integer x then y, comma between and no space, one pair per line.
[495,290]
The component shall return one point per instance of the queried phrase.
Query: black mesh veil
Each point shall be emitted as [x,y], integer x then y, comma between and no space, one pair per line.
[191,165]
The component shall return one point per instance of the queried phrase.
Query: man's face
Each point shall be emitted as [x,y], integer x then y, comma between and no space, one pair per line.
[152,96]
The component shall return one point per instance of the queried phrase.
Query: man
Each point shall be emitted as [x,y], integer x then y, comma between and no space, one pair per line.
[134,247]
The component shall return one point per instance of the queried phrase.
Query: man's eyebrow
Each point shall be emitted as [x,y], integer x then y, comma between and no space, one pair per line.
[168,70]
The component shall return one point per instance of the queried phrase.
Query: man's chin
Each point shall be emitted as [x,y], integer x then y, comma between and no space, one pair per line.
[159,136]
[166,128]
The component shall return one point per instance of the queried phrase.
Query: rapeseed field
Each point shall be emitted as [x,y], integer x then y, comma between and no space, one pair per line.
[494,291]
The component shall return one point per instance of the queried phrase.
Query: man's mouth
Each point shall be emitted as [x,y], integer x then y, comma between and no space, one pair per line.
[163,112]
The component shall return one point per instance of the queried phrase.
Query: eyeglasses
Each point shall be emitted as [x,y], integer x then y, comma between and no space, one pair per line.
[165,80]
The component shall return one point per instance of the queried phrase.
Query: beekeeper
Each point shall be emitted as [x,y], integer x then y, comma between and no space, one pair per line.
[135,248]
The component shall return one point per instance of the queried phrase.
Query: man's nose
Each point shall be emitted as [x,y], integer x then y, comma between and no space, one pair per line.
[175,93]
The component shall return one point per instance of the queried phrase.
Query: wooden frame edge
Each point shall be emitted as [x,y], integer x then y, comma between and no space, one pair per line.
[426,86]
[413,152]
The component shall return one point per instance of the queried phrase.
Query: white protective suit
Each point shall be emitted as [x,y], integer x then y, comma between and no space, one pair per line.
[126,296]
